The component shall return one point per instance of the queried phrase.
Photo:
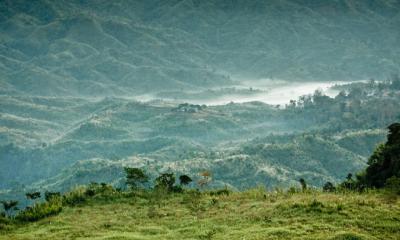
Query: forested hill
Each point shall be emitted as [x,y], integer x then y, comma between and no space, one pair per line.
[57,143]
[120,47]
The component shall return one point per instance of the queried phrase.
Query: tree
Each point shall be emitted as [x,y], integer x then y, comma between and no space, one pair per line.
[349,177]
[303,184]
[32,195]
[165,181]
[384,163]
[185,179]
[349,183]
[393,184]
[10,206]
[135,176]
[328,187]
[206,178]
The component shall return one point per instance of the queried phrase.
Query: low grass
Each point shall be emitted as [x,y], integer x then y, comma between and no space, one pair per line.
[254,214]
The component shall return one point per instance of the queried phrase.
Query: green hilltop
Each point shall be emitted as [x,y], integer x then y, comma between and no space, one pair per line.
[253,214]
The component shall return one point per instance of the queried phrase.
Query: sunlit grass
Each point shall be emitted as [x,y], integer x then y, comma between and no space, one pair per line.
[254,214]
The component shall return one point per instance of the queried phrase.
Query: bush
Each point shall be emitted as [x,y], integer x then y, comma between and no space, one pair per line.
[50,195]
[185,179]
[10,207]
[393,185]
[41,210]
[74,197]
[303,184]
[4,221]
[101,189]
[292,190]
[328,187]
[165,181]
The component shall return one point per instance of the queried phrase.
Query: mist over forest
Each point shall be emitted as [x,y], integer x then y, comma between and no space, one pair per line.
[256,92]
[200,119]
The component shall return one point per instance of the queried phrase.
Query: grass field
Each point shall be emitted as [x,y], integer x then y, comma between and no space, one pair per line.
[254,214]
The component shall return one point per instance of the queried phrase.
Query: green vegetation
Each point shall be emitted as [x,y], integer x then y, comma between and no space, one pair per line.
[384,164]
[317,138]
[170,212]
[40,210]
[9,206]
[253,214]
[135,176]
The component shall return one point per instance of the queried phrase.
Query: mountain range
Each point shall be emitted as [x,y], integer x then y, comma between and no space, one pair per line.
[124,48]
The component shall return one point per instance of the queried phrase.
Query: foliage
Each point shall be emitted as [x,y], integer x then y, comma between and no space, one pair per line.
[385,161]
[165,181]
[75,197]
[50,195]
[9,206]
[135,176]
[303,184]
[393,184]
[41,210]
[324,136]
[33,195]
[328,187]
[185,179]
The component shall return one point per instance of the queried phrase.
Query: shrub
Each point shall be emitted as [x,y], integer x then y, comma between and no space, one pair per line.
[10,206]
[33,195]
[49,195]
[41,210]
[328,187]
[75,197]
[393,185]
[165,181]
[4,222]
[303,184]
[185,179]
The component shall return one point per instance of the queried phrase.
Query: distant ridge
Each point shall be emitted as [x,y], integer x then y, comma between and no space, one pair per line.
[101,48]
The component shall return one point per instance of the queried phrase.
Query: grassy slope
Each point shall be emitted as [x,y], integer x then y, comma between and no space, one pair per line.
[248,215]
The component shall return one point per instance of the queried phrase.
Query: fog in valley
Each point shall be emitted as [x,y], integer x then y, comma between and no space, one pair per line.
[272,92]
[259,93]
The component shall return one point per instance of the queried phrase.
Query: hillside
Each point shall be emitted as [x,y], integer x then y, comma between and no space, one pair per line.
[253,214]
[129,48]
[57,143]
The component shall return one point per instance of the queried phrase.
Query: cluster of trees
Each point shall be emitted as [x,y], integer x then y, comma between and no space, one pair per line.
[136,177]
[357,106]
[383,169]
[11,206]
[384,164]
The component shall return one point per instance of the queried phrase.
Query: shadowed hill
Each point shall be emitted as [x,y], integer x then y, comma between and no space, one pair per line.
[102,48]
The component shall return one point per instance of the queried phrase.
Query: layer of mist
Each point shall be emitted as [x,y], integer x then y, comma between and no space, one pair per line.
[271,92]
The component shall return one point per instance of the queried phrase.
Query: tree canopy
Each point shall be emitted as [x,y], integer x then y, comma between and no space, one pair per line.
[385,161]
